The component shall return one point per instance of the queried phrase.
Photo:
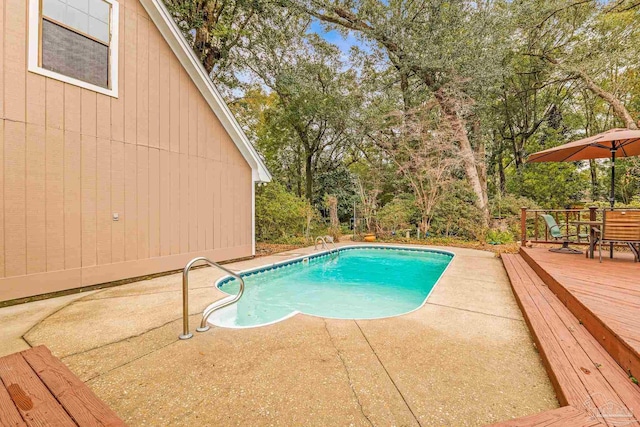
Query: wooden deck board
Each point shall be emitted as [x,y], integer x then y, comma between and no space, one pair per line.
[597,356]
[568,390]
[584,375]
[37,389]
[567,416]
[604,296]
[79,401]
[31,397]
[9,415]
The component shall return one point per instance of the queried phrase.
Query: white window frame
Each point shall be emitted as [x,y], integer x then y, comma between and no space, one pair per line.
[34,51]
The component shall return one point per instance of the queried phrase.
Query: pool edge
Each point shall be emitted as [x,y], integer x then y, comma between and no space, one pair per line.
[319,254]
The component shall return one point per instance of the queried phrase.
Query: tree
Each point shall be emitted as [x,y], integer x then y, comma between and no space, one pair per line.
[584,39]
[215,28]
[443,100]
[433,43]
[368,192]
[316,96]
[264,121]
[397,214]
[280,214]
[424,155]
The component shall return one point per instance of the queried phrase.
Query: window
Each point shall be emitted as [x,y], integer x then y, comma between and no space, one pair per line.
[75,41]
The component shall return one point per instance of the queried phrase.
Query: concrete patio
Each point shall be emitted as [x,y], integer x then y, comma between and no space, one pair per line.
[464,358]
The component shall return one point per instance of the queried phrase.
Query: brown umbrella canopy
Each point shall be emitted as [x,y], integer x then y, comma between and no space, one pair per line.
[624,142]
[612,143]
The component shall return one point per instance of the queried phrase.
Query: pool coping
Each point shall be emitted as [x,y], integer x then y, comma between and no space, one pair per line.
[301,258]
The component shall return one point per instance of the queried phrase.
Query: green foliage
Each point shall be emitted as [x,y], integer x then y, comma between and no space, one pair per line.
[398,214]
[216,30]
[499,237]
[627,179]
[280,215]
[509,205]
[550,185]
[633,204]
[457,215]
[519,77]
[339,182]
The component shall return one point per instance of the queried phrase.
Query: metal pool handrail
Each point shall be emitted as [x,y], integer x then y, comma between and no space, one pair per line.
[185,297]
[324,244]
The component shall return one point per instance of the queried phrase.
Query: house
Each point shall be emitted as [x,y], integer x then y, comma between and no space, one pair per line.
[119,158]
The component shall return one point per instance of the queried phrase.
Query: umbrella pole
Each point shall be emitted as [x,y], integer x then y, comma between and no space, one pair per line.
[612,194]
[612,197]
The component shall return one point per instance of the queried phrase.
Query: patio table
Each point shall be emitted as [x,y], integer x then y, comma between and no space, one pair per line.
[593,239]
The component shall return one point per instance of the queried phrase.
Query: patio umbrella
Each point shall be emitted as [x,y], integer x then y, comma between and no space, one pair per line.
[612,143]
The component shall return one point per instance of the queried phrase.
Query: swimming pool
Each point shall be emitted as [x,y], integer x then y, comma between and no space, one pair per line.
[355,282]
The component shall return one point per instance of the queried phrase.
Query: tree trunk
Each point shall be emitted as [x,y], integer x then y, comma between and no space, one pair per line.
[481,166]
[404,87]
[209,54]
[299,174]
[517,153]
[466,152]
[309,176]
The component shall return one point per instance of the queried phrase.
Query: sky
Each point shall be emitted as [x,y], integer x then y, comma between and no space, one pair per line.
[344,43]
[334,37]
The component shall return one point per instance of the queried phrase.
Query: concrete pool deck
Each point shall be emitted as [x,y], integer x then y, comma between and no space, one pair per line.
[464,358]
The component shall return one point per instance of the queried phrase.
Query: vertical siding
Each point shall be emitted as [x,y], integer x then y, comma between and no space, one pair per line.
[103,201]
[165,204]
[71,158]
[14,202]
[117,201]
[142,192]
[2,234]
[142,82]
[2,5]
[15,59]
[72,200]
[54,185]
[154,202]
[89,175]
[35,198]
[130,202]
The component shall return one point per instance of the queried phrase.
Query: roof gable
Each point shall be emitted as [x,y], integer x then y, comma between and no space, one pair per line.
[171,33]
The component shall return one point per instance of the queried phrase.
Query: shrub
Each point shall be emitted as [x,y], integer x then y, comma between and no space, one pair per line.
[509,205]
[457,215]
[397,214]
[281,215]
[499,237]
[505,211]
[633,204]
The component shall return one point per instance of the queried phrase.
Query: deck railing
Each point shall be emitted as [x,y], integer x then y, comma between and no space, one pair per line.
[534,229]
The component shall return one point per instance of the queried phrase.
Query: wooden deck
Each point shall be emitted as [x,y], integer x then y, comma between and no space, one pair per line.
[37,389]
[567,416]
[604,297]
[592,388]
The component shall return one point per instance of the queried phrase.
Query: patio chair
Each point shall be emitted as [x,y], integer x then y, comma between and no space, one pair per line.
[621,226]
[557,234]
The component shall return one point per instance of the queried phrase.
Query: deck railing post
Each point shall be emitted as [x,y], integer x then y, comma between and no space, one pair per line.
[593,212]
[523,226]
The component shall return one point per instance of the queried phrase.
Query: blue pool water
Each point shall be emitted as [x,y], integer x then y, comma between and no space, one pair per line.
[357,283]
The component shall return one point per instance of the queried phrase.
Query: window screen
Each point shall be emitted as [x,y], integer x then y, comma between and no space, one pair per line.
[75,39]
